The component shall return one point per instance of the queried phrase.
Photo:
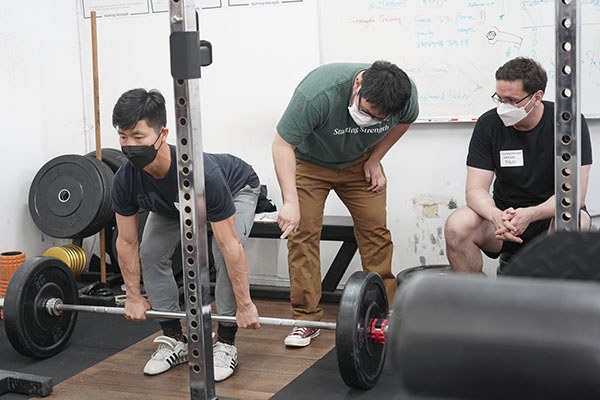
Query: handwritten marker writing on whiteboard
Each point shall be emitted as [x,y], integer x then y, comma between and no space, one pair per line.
[446,119]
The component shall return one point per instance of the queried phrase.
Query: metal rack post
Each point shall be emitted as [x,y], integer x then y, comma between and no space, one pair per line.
[185,69]
[567,132]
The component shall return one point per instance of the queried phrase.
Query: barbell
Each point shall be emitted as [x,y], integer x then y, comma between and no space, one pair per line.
[40,312]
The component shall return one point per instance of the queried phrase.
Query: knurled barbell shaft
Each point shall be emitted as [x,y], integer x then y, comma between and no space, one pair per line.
[55,306]
[181,315]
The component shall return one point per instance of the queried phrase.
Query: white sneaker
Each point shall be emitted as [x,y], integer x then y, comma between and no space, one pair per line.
[170,352]
[225,359]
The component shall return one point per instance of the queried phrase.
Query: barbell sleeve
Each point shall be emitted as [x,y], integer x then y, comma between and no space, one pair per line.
[55,306]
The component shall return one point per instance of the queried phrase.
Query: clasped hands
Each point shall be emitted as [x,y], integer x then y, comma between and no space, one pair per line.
[512,223]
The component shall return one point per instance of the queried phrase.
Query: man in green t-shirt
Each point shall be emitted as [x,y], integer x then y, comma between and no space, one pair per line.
[340,122]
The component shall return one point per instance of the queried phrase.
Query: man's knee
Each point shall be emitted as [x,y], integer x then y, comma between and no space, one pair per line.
[155,257]
[585,221]
[148,253]
[459,224]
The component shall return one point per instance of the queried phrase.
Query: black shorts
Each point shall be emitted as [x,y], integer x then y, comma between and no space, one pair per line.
[534,229]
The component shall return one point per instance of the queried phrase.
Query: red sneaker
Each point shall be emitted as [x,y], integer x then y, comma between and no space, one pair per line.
[301,337]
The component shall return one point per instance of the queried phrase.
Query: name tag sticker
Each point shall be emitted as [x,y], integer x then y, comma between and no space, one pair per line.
[511,158]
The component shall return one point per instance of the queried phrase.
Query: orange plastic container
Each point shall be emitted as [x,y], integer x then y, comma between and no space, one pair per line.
[9,262]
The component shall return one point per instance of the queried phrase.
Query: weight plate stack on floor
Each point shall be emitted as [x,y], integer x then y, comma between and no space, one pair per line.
[73,256]
[70,196]
[105,213]
[360,359]
[114,159]
[80,257]
[31,330]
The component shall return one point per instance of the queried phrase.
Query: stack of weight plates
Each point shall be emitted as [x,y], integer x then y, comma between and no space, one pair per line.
[114,159]
[70,196]
[72,255]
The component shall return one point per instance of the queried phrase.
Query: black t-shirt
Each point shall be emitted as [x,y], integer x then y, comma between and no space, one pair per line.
[523,161]
[224,176]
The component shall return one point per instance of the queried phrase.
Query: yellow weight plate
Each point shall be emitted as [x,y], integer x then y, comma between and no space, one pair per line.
[79,264]
[73,255]
[74,260]
[61,254]
[81,256]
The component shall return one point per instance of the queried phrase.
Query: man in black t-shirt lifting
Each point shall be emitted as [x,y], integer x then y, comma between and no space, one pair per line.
[149,181]
[514,143]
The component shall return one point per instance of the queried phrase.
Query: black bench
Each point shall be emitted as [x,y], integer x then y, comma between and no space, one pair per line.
[335,228]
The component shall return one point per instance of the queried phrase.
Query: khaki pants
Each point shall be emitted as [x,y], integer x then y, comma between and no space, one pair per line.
[368,211]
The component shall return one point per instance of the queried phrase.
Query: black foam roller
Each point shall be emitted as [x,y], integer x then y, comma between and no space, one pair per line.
[462,337]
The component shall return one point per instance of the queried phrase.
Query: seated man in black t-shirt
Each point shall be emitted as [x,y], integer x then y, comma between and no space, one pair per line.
[149,181]
[515,143]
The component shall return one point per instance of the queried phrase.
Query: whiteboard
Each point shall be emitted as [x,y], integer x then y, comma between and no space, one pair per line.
[452,48]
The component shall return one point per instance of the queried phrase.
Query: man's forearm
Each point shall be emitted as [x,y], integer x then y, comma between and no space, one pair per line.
[129,263]
[284,160]
[235,260]
[482,203]
[545,210]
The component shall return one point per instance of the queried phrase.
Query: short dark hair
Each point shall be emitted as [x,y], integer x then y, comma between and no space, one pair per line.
[139,104]
[529,71]
[387,87]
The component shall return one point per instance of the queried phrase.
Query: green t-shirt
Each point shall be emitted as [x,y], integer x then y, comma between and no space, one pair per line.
[318,123]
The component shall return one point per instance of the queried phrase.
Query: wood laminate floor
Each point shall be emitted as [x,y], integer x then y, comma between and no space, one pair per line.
[265,366]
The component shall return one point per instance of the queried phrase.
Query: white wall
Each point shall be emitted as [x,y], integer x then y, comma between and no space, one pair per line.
[47,110]
[41,107]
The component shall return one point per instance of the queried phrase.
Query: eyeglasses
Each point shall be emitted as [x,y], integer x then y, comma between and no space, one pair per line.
[362,110]
[499,100]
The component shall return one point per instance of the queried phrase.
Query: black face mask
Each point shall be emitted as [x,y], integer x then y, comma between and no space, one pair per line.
[140,156]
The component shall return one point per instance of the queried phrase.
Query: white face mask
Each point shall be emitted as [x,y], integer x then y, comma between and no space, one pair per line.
[361,118]
[512,115]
